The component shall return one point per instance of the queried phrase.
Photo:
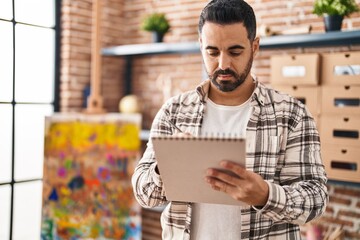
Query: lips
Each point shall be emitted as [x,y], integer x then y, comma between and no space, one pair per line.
[225,76]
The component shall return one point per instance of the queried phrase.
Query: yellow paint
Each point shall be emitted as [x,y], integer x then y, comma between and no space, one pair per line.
[67,224]
[65,191]
[127,140]
[83,135]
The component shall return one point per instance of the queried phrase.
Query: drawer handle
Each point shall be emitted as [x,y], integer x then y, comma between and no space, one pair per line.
[343,102]
[344,165]
[343,151]
[346,133]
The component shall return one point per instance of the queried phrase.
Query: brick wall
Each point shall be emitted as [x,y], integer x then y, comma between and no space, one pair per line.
[76,53]
[169,75]
[157,77]
[343,210]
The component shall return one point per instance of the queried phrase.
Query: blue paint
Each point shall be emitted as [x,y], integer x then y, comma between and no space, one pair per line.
[103,174]
[76,183]
[122,164]
[54,196]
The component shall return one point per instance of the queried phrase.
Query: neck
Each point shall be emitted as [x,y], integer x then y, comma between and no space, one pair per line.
[237,97]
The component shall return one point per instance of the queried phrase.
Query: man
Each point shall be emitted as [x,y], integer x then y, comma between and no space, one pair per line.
[283,182]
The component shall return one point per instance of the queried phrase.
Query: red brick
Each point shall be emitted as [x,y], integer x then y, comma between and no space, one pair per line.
[349,213]
[337,221]
[330,210]
[338,200]
[348,192]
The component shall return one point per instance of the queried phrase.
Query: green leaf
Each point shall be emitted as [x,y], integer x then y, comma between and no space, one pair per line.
[335,7]
[156,22]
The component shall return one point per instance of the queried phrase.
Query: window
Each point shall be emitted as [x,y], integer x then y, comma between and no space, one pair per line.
[29,76]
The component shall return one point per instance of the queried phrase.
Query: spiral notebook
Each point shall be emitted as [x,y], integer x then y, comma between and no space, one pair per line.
[183,161]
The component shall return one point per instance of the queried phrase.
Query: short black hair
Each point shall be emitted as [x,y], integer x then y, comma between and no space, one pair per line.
[227,12]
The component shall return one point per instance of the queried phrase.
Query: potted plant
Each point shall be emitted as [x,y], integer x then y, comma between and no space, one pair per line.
[334,12]
[157,24]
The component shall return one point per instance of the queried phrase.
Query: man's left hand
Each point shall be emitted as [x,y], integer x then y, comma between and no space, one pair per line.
[240,184]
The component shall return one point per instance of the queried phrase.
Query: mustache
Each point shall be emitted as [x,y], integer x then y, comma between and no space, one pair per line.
[225,72]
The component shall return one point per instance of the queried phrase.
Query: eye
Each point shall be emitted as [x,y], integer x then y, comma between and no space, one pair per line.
[235,54]
[213,53]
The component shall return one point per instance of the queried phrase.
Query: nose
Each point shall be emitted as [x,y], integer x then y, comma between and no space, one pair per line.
[224,61]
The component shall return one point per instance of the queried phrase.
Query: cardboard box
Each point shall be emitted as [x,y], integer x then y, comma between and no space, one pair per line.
[341,163]
[297,69]
[340,69]
[340,99]
[342,130]
[310,96]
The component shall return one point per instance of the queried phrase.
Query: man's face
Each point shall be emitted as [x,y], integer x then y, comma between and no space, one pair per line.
[227,54]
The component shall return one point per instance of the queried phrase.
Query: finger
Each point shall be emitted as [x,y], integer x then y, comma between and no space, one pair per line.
[239,170]
[224,176]
[219,185]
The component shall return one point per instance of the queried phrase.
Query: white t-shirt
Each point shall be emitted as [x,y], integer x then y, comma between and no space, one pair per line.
[216,221]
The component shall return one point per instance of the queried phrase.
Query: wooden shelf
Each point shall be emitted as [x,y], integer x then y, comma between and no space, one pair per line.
[337,38]
[340,38]
[152,48]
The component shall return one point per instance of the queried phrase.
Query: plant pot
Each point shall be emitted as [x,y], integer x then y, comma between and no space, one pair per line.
[333,22]
[157,37]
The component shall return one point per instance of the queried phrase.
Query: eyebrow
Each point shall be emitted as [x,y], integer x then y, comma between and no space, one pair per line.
[211,48]
[230,48]
[236,47]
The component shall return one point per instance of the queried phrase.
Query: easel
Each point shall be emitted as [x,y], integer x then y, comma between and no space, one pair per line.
[95,101]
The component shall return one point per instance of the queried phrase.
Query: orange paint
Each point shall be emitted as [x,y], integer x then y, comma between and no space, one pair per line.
[92,182]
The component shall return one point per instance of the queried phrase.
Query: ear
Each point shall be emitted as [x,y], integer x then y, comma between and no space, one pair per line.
[256,46]
[200,42]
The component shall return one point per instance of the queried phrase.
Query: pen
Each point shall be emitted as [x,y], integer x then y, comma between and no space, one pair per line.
[173,124]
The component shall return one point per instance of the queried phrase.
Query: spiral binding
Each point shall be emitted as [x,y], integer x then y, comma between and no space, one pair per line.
[205,137]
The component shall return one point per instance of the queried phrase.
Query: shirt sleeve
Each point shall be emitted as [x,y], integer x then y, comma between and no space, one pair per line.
[301,194]
[147,184]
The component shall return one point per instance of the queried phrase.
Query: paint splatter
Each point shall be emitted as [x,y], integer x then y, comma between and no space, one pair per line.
[62,172]
[92,137]
[110,159]
[92,182]
[76,183]
[68,164]
[104,174]
[65,191]
[47,229]
[53,195]
[122,164]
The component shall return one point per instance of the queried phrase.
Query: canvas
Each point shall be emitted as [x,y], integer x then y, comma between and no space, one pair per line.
[87,193]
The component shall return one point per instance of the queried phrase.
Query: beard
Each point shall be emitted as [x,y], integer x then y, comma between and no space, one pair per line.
[228,86]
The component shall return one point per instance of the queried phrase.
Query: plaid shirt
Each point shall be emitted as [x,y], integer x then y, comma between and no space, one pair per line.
[282,146]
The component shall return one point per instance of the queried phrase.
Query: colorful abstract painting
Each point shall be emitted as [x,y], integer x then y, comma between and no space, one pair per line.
[88,164]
